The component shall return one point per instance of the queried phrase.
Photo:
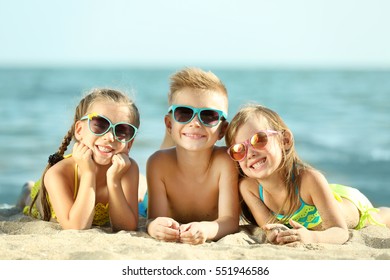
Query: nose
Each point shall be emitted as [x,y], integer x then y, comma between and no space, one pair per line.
[195,121]
[250,151]
[109,135]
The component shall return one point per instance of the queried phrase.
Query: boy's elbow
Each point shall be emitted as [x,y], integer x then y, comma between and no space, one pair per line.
[233,223]
[235,227]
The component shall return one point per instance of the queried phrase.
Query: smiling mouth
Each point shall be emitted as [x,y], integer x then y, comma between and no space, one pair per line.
[258,164]
[104,149]
[193,136]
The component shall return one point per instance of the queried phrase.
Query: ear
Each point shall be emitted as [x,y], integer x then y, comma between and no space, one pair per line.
[222,131]
[168,123]
[288,140]
[78,128]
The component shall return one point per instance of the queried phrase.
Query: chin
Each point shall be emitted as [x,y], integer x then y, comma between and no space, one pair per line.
[102,161]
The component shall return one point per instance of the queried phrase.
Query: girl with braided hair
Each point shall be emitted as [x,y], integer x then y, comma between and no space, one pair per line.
[97,184]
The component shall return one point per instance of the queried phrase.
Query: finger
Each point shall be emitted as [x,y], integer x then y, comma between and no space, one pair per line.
[191,234]
[293,244]
[269,226]
[278,227]
[284,238]
[82,148]
[75,146]
[191,237]
[184,228]
[168,234]
[116,160]
[169,223]
[289,232]
[295,224]
[175,225]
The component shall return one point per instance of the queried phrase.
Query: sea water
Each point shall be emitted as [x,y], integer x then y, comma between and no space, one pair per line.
[340,118]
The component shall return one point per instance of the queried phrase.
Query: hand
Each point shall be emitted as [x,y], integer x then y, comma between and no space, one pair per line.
[193,233]
[120,165]
[82,155]
[272,231]
[283,235]
[163,228]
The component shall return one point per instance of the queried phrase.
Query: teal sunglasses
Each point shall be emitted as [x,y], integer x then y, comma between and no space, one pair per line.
[99,125]
[207,116]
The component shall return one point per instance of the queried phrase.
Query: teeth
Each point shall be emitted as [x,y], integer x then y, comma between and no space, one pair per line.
[104,149]
[258,164]
[194,135]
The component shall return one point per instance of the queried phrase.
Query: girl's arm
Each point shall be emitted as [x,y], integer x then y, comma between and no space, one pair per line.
[333,222]
[59,181]
[122,184]
[315,190]
[249,189]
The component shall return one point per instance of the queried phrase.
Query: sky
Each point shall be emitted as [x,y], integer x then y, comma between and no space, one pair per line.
[240,33]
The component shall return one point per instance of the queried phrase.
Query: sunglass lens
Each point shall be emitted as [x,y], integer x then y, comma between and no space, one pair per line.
[237,152]
[183,114]
[124,132]
[99,125]
[209,117]
[259,140]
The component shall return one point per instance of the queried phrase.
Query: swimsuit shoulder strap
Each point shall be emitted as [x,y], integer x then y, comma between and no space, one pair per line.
[261,192]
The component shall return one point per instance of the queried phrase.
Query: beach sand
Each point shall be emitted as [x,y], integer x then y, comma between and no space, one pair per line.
[24,238]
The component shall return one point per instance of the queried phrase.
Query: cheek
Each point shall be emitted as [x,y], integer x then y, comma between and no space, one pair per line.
[83,135]
[176,128]
[123,148]
[276,150]
[242,164]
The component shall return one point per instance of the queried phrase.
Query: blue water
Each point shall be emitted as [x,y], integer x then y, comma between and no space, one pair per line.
[341,119]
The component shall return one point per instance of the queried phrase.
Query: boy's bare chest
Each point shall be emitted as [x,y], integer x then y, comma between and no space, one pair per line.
[193,200]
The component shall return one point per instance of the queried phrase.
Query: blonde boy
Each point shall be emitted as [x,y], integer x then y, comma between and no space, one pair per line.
[192,187]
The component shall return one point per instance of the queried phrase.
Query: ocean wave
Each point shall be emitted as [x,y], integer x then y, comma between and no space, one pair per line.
[380,155]
[6,206]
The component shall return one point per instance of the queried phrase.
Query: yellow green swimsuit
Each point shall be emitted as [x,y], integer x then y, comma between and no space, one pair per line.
[308,216]
[100,218]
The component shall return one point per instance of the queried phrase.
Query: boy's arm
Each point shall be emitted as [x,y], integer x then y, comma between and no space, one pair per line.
[159,225]
[228,201]
[228,209]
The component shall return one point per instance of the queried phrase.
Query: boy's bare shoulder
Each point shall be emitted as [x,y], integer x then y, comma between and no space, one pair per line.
[220,150]
[222,161]
[163,155]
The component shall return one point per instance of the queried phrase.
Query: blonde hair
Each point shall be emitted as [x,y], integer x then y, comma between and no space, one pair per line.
[291,166]
[95,95]
[195,78]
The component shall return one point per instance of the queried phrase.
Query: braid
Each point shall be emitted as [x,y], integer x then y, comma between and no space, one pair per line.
[66,141]
[86,102]
[53,159]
